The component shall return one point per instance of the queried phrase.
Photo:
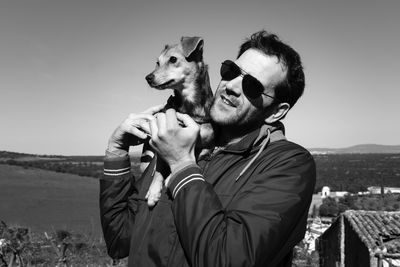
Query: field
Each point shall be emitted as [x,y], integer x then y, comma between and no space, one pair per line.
[43,192]
[47,201]
[356,172]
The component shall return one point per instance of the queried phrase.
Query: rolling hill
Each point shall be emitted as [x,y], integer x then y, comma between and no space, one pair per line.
[359,149]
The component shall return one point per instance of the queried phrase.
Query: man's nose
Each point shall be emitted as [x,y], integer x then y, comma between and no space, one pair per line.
[234,86]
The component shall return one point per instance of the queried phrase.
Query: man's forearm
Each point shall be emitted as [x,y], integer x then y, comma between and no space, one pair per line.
[115,188]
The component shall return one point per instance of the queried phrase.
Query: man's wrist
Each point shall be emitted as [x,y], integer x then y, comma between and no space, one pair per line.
[113,152]
[180,165]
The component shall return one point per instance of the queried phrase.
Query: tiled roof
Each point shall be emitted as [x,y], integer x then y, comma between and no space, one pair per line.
[377,229]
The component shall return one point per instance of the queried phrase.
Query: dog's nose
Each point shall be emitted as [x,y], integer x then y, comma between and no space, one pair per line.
[150,78]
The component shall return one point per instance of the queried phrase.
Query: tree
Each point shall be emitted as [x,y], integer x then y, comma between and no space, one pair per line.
[329,207]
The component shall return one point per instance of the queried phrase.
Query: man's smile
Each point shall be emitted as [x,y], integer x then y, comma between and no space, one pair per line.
[227,101]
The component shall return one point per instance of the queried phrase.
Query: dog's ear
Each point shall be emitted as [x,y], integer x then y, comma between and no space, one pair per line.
[192,48]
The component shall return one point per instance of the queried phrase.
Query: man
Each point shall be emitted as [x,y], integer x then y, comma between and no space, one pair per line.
[246,203]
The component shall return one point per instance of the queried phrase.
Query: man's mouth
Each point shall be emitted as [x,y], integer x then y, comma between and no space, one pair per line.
[227,101]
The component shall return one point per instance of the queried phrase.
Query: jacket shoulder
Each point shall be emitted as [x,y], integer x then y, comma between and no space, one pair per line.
[288,146]
[287,150]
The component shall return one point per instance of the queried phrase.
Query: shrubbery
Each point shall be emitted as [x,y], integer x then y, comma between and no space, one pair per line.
[387,202]
[356,172]
[20,247]
[82,168]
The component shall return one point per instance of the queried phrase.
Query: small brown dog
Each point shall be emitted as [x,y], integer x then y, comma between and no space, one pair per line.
[180,67]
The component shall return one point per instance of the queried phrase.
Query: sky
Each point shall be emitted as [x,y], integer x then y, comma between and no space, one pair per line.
[72,70]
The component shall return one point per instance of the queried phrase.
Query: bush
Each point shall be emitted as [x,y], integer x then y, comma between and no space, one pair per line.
[329,208]
[61,248]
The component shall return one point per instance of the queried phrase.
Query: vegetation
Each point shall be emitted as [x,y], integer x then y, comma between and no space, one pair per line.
[302,258]
[20,247]
[387,202]
[341,172]
[88,169]
[88,166]
[345,172]
[356,172]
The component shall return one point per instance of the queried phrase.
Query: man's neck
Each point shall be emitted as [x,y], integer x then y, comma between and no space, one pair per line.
[228,136]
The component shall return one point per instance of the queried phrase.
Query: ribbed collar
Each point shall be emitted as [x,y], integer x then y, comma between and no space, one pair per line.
[256,137]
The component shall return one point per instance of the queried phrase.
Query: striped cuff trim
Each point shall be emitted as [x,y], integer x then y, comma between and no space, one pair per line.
[117,172]
[185,181]
[117,167]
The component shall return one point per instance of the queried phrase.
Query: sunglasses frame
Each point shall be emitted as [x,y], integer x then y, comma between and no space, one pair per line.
[235,71]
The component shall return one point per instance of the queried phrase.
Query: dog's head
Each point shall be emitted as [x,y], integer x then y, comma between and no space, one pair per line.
[178,65]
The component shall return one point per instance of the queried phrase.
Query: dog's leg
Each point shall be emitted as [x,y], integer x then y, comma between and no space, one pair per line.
[146,157]
[154,193]
[161,172]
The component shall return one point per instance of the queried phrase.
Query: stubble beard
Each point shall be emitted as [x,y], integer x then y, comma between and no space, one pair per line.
[232,120]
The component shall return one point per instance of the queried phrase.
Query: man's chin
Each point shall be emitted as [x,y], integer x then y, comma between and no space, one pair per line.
[222,119]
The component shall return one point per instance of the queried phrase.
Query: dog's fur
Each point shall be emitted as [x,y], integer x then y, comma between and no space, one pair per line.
[180,67]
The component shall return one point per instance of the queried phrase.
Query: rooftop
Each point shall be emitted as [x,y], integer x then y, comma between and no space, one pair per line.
[377,229]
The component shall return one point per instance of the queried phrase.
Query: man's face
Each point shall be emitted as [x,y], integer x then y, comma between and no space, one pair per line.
[231,107]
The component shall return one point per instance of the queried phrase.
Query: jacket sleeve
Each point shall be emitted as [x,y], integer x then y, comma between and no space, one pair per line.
[261,224]
[117,209]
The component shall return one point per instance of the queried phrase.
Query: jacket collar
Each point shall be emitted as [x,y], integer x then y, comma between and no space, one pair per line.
[256,137]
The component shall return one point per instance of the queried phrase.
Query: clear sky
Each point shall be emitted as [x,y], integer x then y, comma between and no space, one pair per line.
[72,70]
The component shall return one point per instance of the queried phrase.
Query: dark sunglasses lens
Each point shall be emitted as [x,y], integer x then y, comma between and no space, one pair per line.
[252,87]
[229,70]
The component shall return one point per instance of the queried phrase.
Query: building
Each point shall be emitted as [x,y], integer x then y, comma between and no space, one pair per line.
[326,192]
[361,238]
[386,190]
[315,227]
[317,199]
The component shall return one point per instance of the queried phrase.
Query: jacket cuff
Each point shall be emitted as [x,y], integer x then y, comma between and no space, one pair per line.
[117,167]
[183,177]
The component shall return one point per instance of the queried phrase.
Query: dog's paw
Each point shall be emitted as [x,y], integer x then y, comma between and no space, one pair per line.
[153,197]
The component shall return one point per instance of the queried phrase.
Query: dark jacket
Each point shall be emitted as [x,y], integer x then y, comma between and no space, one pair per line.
[213,213]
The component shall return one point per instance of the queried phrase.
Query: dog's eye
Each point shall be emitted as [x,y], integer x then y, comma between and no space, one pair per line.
[173,59]
[157,63]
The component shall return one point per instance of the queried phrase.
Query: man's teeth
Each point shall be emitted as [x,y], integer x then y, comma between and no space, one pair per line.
[226,101]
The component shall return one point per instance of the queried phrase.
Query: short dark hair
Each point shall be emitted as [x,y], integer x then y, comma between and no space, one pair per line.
[292,87]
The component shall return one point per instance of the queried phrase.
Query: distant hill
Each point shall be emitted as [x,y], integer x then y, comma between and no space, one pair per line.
[8,155]
[89,166]
[359,149]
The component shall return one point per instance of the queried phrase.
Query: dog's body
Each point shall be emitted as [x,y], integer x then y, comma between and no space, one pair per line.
[180,67]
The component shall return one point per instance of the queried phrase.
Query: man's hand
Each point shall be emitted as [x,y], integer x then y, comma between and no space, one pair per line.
[173,136]
[132,131]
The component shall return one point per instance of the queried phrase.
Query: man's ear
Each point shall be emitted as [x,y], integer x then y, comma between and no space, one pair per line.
[192,48]
[279,112]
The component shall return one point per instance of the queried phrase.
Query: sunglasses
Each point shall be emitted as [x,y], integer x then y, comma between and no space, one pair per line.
[251,87]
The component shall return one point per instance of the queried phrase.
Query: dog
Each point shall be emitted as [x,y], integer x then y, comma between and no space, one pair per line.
[180,67]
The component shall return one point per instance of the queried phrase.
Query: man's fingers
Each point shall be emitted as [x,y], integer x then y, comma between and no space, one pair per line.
[140,134]
[171,118]
[143,125]
[153,128]
[186,120]
[161,124]
[153,110]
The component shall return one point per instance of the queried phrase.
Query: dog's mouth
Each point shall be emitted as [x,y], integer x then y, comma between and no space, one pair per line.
[164,85]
